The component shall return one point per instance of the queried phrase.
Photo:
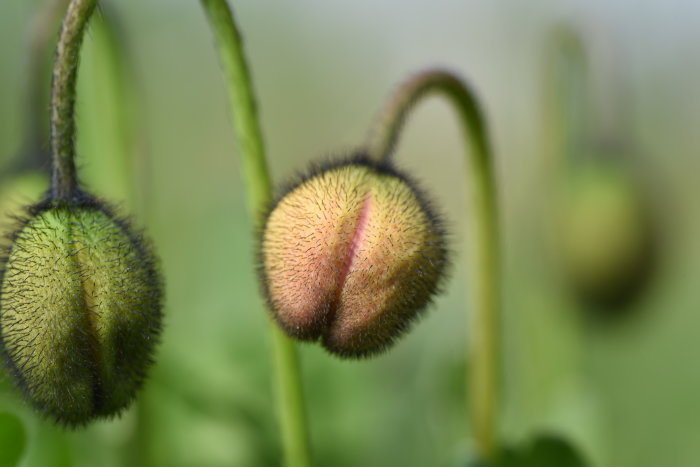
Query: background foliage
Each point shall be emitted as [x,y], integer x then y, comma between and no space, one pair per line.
[625,393]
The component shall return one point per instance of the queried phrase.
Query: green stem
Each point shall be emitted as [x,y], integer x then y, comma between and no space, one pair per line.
[484,390]
[566,72]
[287,375]
[65,74]
[290,400]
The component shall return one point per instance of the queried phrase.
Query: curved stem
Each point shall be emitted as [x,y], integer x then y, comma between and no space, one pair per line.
[65,73]
[290,400]
[484,390]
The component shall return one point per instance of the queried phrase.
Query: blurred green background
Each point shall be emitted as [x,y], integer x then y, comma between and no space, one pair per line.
[625,393]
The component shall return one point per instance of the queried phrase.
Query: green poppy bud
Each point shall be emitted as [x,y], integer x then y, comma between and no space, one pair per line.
[608,247]
[80,310]
[350,255]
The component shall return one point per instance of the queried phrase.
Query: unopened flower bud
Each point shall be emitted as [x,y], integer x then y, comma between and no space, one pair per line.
[351,255]
[80,310]
[607,238]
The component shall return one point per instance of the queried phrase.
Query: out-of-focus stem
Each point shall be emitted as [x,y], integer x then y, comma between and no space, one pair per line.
[566,72]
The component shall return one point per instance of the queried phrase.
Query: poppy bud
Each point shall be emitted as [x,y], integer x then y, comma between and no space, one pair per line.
[608,243]
[80,309]
[350,255]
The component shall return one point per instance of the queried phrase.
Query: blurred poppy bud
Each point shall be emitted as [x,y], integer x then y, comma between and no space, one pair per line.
[80,309]
[608,246]
[350,255]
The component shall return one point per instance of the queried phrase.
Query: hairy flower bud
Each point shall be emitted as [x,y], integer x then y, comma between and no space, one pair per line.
[350,255]
[80,310]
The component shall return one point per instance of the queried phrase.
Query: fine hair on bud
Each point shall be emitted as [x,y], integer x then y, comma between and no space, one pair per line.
[350,255]
[80,309]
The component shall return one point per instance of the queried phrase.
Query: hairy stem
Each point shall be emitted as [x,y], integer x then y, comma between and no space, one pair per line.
[484,380]
[290,401]
[65,74]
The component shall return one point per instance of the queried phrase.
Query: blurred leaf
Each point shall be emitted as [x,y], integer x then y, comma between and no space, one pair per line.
[552,451]
[12,440]
[508,457]
[48,446]
[544,451]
